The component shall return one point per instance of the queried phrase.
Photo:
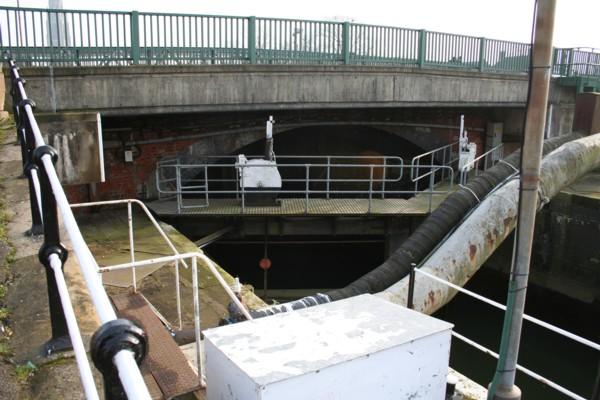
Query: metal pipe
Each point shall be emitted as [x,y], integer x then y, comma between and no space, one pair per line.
[411,287]
[131,248]
[526,371]
[128,370]
[146,211]
[527,317]
[85,372]
[134,385]
[503,385]
[370,187]
[197,318]
[178,294]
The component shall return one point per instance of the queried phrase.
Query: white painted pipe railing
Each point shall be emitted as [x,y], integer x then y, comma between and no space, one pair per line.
[536,321]
[129,373]
[85,372]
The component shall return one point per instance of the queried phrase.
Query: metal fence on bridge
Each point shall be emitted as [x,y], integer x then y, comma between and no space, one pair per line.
[41,37]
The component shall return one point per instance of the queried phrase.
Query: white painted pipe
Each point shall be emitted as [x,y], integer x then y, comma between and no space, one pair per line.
[463,253]
[129,373]
[85,372]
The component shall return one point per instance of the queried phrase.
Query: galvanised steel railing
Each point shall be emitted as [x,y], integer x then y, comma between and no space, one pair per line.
[41,37]
[324,177]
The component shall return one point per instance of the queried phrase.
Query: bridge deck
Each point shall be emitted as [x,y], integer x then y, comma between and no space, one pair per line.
[418,205]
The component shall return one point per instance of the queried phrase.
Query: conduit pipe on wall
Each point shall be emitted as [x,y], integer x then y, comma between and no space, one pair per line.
[463,253]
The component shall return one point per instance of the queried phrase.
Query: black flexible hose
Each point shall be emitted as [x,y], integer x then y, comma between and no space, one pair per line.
[436,226]
[425,238]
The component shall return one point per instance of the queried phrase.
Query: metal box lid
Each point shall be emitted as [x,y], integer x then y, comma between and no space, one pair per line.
[295,343]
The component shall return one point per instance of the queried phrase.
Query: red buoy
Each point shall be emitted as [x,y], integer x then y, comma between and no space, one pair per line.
[264,263]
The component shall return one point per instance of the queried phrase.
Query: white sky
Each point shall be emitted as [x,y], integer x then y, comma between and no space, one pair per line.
[576,25]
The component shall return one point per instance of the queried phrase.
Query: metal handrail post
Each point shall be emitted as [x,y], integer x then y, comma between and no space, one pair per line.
[328,175]
[384,176]
[431,184]
[243,188]
[206,184]
[179,190]
[370,187]
[197,318]
[131,244]
[177,293]
[307,187]
[60,340]
[411,287]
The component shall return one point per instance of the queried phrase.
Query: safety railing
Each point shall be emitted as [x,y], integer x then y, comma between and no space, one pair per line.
[40,37]
[481,163]
[118,346]
[428,164]
[581,340]
[577,62]
[194,185]
[175,259]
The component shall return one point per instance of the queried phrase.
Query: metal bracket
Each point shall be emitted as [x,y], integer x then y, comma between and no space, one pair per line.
[107,341]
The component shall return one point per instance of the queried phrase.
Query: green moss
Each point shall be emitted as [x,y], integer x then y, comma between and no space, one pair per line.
[5,349]
[25,371]
[3,313]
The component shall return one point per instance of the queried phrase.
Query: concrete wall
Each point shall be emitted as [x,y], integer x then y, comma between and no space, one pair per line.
[163,89]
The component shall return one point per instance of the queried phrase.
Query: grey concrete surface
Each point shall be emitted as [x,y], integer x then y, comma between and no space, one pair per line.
[166,89]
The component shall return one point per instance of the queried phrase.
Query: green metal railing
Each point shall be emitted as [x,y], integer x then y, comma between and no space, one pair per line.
[40,37]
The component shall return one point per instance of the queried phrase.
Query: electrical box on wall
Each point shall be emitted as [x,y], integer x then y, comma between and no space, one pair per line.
[128,156]
[357,348]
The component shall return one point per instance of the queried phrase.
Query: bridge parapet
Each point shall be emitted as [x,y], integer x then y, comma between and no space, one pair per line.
[42,37]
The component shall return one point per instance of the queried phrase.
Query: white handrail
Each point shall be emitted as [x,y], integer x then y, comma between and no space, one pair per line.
[521,368]
[130,375]
[181,256]
[85,372]
[529,318]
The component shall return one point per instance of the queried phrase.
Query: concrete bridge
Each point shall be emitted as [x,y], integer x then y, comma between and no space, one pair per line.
[174,89]
[167,85]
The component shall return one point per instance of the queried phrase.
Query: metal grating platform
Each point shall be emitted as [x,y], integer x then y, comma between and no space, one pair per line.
[418,205]
[164,362]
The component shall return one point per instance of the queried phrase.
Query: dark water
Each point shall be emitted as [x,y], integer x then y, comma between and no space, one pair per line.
[297,266]
[562,360]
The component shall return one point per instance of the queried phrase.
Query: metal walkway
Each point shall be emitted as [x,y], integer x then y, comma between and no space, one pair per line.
[418,205]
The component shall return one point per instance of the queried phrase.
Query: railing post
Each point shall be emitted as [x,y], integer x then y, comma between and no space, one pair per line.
[60,340]
[27,149]
[346,42]
[422,48]
[134,25]
[328,176]
[570,65]
[482,48]
[252,39]
[111,338]
[411,287]
[370,187]
[307,187]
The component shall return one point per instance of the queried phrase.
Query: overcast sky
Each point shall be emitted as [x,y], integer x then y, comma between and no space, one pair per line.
[576,20]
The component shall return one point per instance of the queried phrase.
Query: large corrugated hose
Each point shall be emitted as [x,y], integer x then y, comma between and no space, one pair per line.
[426,237]
[437,225]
